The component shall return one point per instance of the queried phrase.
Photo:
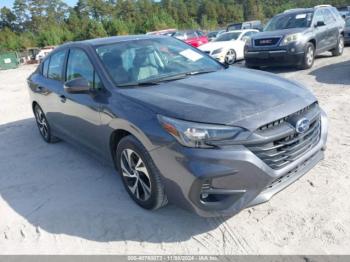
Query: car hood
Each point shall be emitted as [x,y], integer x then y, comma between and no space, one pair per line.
[279,33]
[215,45]
[233,96]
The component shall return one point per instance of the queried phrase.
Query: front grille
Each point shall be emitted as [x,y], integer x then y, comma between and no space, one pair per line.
[282,120]
[283,151]
[267,41]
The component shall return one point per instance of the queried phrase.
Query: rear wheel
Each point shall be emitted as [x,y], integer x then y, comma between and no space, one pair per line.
[230,57]
[309,56]
[140,176]
[338,51]
[43,125]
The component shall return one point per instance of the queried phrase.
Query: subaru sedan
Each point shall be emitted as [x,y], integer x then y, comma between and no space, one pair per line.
[177,125]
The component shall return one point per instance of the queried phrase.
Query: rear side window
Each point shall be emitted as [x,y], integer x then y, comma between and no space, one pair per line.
[46,67]
[56,66]
[79,65]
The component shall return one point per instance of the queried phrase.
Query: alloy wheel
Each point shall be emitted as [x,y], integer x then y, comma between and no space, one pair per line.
[42,123]
[135,174]
[230,57]
[310,55]
[341,45]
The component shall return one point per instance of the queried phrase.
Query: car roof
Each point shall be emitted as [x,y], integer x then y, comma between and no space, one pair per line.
[111,40]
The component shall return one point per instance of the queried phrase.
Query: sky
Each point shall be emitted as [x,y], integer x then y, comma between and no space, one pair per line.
[9,3]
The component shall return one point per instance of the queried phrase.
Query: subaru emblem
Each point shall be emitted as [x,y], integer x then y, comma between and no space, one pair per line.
[302,125]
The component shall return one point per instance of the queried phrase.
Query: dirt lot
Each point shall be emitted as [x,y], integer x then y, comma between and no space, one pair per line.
[57,199]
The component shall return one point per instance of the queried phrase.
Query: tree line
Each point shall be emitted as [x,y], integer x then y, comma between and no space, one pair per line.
[40,23]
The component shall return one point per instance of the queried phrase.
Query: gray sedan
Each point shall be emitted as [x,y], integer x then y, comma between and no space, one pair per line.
[177,125]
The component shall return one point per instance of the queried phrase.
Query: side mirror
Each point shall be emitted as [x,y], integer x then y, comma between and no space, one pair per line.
[320,23]
[245,39]
[77,86]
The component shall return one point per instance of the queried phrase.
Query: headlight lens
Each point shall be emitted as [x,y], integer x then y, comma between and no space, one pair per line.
[291,38]
[217,51]
[198,135]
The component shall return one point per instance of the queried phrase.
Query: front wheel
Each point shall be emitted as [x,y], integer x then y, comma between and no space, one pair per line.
[309,57]
[338,51]
[140,176]
[230,57]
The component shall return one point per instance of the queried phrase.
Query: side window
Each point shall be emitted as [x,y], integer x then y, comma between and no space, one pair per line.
[56,66]
[191,35]
[328,17]
[319,17]
[79,65]
[45,67]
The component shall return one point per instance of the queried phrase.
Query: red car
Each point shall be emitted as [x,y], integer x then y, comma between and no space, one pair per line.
[193,37]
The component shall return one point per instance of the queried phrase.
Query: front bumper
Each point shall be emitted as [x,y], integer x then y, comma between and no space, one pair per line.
[273,58]
[347,38]
[237,177]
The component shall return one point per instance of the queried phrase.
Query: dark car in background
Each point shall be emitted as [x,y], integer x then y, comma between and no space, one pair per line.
[296,36]
[178,125]
[344,11]
[192,37]
[214,34]
[347,31]
[256,24]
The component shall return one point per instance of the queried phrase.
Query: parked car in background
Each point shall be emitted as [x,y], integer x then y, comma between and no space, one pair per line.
[44,52]
[167,32]
[295,37]
[177,125]
[245,25]
[344,11]
[194,38]
[214,34]
[347,31]
[229,46]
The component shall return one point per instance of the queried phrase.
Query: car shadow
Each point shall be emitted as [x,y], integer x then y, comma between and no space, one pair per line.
[338,73]
[62,190]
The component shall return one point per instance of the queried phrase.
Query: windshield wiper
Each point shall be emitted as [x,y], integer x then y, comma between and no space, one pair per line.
[200,72]
[166,79]
[155,81]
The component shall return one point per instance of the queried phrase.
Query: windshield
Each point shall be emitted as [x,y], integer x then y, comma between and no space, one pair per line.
[142,60]
[234,27]
[228,37]
[287,21]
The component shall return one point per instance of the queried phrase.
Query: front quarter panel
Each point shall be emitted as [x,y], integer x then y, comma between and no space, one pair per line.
[122,113]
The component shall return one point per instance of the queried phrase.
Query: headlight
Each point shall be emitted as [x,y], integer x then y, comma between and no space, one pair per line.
[249,42]
[291,38]
[217,51]
[192,134]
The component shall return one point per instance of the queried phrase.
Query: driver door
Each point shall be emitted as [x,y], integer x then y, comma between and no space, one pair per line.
[81,122]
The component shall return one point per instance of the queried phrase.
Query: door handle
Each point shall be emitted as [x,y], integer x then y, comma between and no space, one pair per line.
[63,98]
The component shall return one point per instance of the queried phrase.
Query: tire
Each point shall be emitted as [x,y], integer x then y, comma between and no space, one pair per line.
[309,57]
[43,125]
[338,51]
[230,57]
[142,180]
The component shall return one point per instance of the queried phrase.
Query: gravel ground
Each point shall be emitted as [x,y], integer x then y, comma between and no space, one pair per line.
[55,199]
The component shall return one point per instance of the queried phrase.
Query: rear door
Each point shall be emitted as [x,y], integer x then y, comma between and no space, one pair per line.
[81,120]
[47,86]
